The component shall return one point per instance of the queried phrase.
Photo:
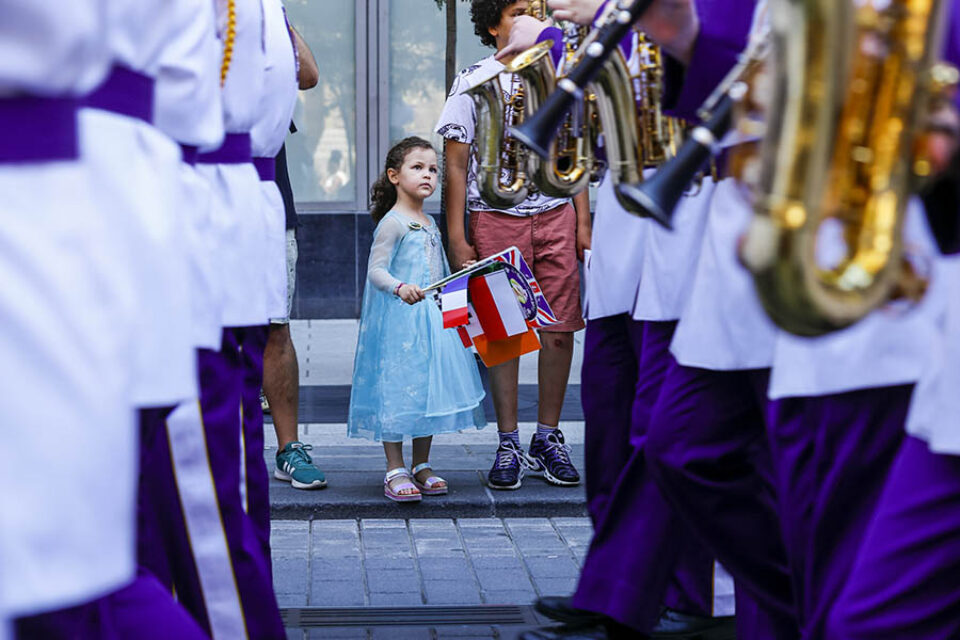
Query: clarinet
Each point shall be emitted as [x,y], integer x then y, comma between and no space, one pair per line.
[539,130]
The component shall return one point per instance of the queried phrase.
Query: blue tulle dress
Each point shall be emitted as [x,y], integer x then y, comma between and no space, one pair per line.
[411,377]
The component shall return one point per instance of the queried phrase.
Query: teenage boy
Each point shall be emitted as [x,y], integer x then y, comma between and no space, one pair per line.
[551,233]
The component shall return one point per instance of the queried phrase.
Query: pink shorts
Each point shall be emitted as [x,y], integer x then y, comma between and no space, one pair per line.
[548,242]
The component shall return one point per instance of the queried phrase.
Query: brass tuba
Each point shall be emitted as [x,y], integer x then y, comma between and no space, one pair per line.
[503,174]
[851,84]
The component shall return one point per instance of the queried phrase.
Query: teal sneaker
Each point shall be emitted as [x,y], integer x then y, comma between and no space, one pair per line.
[296,466]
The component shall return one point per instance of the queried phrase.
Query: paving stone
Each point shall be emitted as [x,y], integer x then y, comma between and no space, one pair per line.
[481,563]
[401,633]
[290,574]
[556,586]
[337,633]
[286,600]
[289,535]
[383,523]
[375,562]
[444,568]
[452,592]
[514,596]
[295,634]
[505,579]
[411,598]
[555,566]
[337,569]
[392,581]
[325,593]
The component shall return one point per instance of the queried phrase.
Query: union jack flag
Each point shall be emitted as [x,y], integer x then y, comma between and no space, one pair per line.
[540,314]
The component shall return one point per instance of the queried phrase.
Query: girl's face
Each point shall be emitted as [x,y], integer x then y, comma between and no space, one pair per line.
[417,177]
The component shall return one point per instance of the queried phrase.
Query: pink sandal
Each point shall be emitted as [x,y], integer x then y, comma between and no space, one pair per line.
[395,495]
[429,488]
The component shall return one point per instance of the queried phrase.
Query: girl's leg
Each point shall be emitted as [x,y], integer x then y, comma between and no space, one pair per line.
[394,453]
[421,454]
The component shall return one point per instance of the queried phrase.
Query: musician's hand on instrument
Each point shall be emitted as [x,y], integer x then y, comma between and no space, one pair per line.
[461,252]
[579,11]
[941,137]
[674,25]
[523,35]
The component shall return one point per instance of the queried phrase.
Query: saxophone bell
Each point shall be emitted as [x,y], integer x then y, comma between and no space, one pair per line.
[539,129]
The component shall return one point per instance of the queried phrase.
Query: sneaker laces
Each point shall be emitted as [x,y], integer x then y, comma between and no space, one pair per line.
[299,455]
[560,451]
[507,452]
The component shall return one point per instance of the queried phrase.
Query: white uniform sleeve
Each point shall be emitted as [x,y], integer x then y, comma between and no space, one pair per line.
[385,239]
[458,121]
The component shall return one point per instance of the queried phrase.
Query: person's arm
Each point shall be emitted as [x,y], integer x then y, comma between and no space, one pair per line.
[385,239]
[455,199]
[309,72]
[581,204]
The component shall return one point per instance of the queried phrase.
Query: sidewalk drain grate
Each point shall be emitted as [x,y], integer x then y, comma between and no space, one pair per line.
[419,616]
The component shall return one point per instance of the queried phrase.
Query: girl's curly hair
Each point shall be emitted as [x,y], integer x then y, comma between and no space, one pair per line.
[485,15]
[383,193]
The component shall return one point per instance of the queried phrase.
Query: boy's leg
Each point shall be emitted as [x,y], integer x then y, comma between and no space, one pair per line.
[554,263]
[491,233]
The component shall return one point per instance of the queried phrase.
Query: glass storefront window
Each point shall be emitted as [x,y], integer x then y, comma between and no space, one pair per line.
[417,54]
[322,155]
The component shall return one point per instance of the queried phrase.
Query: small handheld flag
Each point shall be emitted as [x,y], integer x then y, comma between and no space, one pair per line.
[453,302]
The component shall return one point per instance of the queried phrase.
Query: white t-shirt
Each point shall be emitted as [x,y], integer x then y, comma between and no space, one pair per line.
[458,122]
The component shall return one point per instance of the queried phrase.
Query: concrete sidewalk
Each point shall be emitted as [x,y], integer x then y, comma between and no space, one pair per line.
[447,566]
[355,469]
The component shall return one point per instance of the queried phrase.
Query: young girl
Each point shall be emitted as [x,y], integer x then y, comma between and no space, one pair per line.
[411,377]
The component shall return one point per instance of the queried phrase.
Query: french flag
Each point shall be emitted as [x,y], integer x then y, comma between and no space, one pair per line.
[453,303]
[496,306]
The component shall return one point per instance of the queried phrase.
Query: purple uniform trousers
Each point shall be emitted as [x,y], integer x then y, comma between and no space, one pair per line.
[163,547]
[832,455]
[707,448]
[253,341]
[142,609]
[904,582]
[641,556]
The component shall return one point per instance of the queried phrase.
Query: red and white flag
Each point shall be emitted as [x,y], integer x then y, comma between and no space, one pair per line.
[496,306]
[453,302]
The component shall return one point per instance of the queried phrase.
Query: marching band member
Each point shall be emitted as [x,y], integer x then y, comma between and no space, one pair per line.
[836,423]
[634,268]
[706,439]
[64,379]
[227,375]
[901,582]
[550,232]
[135,199]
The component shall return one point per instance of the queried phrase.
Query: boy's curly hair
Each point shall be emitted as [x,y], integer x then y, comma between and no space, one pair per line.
[485,15]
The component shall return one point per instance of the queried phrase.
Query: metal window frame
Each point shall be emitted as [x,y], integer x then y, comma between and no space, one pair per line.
[365,66]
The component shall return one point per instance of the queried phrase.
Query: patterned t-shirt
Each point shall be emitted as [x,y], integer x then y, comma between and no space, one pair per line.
[459,121]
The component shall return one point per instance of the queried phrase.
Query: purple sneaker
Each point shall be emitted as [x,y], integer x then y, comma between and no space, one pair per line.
[551,455]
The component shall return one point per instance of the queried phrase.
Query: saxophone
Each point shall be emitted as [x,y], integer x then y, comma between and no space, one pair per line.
[568,168]
[637,135]
[851,83]
[503,175]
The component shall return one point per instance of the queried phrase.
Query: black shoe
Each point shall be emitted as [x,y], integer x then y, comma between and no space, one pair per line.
[551,455]
[507,469]
[675,625]
[559,608]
